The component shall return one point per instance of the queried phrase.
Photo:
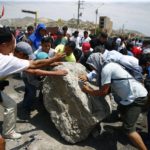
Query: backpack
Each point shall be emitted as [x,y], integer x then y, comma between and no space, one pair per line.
[133,71]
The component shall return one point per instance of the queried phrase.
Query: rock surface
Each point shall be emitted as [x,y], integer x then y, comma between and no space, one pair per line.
[73,112]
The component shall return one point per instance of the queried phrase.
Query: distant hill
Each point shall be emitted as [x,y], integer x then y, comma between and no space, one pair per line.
[72,23]
[23,22]
[134,31]
[45,20]
[17,22]
[128,31]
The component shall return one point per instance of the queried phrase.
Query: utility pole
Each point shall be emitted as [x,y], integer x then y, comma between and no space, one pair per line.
[96,12]
[122,29]
[80,3]
[32,12]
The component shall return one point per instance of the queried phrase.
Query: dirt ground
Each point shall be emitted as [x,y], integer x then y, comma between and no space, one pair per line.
[39,133]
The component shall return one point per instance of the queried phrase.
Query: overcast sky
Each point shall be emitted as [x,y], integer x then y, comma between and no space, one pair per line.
[84,0]
[134,16]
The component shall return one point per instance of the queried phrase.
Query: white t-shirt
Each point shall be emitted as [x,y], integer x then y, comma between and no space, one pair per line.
[128,89]
[76,40]
[84,40]
[11,64]
[51,52]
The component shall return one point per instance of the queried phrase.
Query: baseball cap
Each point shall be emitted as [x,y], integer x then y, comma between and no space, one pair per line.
[42,55]
[86,47]
[26,49]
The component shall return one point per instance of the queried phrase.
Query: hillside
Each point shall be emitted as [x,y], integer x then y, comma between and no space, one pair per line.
[72,23]
[23,22]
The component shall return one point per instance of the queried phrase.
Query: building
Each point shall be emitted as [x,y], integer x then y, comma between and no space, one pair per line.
[105,24]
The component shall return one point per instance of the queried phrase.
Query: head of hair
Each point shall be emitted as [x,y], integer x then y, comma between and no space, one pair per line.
[71,44]
[5,35]
[76,33]
[129,46]
[103,35]
[140,40]
[46,40]
[99,49]
[64,28]
[144,59]
[30,28]
[146,42]
[59,32]
[124,51]
[92,36]
[85,32]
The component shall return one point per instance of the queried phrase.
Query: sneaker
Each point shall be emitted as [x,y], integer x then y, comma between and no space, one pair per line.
[13,135]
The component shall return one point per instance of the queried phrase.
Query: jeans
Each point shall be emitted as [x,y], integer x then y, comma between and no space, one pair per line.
[10,112]
[29,95]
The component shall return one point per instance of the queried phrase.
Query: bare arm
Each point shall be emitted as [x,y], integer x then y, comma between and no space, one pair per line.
[40,72]
[83,77]
[102,92]
[45,62]
[56,64]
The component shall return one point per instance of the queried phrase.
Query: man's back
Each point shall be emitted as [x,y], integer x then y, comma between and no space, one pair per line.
[124,85]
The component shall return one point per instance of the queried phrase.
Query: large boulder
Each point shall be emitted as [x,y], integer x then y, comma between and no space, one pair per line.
[73,112]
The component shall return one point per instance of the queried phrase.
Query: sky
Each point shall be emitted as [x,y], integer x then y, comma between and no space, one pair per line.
[124,13]
[77,0]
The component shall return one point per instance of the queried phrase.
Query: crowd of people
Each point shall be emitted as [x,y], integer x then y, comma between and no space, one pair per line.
[121,66]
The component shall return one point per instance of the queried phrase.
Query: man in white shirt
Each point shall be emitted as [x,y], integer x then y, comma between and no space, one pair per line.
[132,93]
[85,38]
[9,65]
[76,39]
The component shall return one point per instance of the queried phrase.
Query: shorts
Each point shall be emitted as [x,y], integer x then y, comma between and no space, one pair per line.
[130,114]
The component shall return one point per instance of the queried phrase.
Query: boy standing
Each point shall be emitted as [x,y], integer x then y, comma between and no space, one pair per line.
[46,43]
